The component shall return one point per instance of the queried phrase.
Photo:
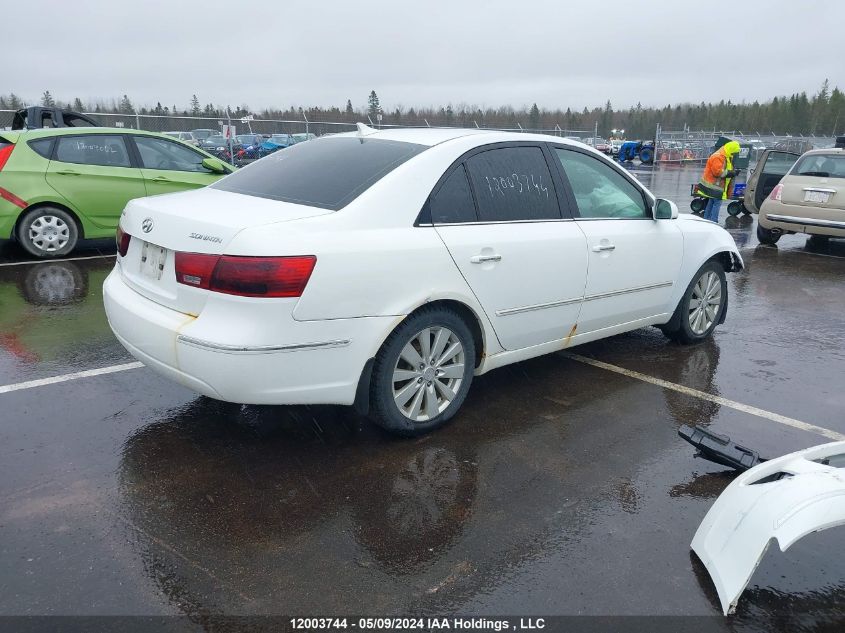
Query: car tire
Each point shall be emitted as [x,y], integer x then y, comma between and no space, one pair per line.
[422,398]
[47,232]
[692,321]
[767,236]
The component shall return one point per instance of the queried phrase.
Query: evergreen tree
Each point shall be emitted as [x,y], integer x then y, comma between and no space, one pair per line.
[78,105]
[373,105]
[15,102]
[47,100]
[195,106]
[126,106]
[349,111]
[534,117]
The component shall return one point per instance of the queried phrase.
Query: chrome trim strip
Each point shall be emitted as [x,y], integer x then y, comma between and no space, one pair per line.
[614,293]
[789,219]
[603,295]
[258,349]
[820,189]
[538,306]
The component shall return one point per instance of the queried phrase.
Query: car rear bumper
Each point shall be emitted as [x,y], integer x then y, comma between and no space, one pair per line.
[800,219]
[319,362]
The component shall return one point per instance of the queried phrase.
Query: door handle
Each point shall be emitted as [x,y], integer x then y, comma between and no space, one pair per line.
[68,172]
[161,179]
[603,247]
[480,259]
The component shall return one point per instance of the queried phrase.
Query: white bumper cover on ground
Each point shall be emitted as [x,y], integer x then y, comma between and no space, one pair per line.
[736,532]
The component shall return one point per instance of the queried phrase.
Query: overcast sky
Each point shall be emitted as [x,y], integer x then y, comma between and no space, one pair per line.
[558,54]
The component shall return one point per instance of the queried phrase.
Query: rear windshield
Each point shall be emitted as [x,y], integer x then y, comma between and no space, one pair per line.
[821,165]
[326,173]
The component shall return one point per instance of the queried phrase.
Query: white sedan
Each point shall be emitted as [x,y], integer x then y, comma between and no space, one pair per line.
[386,269]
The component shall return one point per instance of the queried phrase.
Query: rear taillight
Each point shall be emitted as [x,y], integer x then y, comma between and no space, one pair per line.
[776,193]
[5,152]
[194,269]
[122,240]
[245,276]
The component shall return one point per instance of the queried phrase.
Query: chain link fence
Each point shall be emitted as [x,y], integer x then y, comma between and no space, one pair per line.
[695,146]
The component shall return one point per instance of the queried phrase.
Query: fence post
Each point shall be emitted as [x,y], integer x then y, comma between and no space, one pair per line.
[137,122]
[596,133]
[307,124]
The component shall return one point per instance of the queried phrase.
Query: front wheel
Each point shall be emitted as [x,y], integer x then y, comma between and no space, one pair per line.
[422,373]
[700,309]
[767,236]
[47,232]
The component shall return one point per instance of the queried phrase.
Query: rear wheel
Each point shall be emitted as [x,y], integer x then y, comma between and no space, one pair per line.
[422,373]
[767,236]
[700,309]
[48,232]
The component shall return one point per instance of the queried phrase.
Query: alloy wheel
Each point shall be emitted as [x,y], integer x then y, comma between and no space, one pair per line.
[49,233]
[705,302]
[428,373]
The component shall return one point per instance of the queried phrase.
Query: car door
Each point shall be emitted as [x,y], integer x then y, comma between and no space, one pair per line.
[499,214]
[770,168]
[634,260]
[93,172]
[169,166]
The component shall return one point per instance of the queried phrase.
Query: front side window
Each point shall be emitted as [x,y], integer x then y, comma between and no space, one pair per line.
[94,149]
[513,184]
[819,165]
[328,173]
[601,191]
[453,201]
[158,153]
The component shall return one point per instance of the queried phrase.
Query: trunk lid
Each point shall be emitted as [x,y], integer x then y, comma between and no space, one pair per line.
[200,221]
[813,192]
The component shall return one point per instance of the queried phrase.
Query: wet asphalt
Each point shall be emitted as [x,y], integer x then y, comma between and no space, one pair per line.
[560,488]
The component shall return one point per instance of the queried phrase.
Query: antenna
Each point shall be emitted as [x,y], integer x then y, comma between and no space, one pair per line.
[365,130]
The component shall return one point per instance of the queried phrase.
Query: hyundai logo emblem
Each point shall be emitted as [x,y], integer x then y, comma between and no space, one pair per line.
[147,225]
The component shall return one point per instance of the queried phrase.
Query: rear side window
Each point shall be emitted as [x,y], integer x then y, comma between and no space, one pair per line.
[327,173]
[94,149]
[43,146]
[820,165]
[512,184]
[453,201]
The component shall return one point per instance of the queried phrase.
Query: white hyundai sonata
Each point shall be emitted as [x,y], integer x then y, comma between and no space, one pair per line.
[385,269]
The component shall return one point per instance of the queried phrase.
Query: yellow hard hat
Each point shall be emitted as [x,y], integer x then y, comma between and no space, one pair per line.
[732,147]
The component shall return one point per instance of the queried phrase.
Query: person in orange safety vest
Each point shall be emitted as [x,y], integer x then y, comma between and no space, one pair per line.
[716,178]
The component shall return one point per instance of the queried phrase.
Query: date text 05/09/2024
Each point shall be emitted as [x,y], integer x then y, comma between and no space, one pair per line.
[410,624]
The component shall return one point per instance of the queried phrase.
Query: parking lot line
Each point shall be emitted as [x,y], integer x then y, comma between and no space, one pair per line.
[703,395]
[48,261]
[66,377]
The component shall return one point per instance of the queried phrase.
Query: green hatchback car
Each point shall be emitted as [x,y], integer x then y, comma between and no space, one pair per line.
[63,184]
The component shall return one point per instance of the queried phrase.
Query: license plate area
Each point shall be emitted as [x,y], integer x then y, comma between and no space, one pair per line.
[153,259]
[820,197]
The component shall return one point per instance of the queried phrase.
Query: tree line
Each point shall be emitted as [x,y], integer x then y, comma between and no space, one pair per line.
[821,114]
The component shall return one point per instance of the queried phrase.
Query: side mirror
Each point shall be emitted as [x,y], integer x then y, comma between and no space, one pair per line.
[664,209]
[215,164]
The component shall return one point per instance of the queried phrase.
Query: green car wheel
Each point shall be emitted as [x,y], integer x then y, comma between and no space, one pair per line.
[48,232]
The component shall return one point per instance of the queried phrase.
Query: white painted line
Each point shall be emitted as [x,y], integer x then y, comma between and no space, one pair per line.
[48,261]
[725,402]
[66,377]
